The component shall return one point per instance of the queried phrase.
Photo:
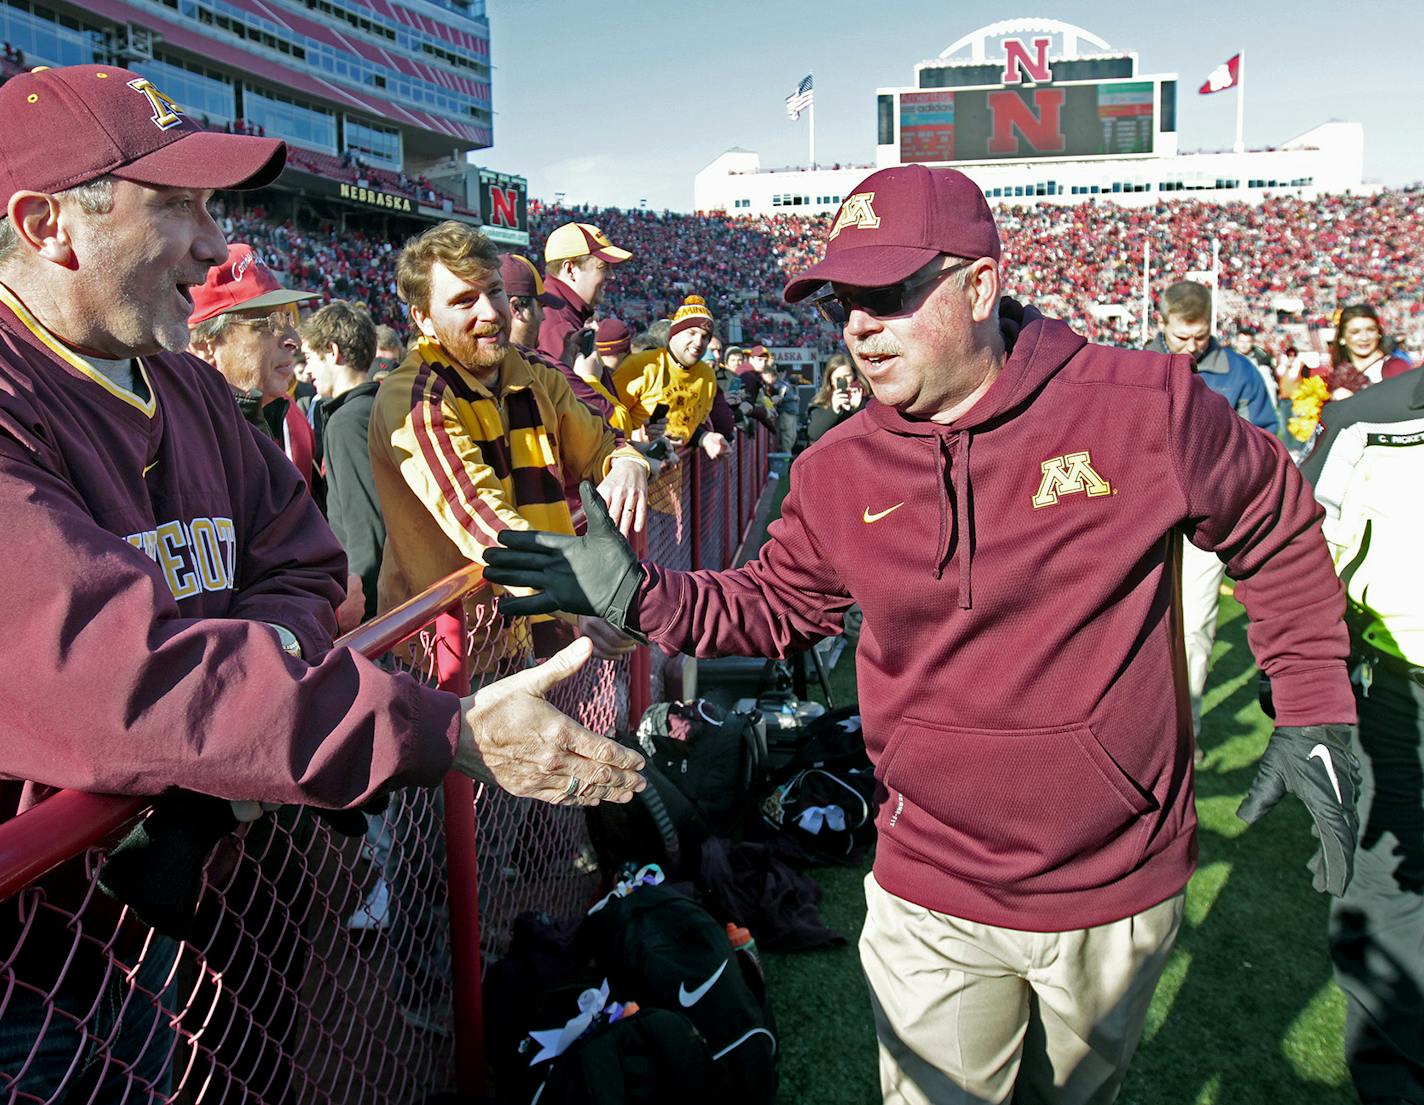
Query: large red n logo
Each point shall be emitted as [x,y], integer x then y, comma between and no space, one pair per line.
[1017,62]
[1039,124]
[504,206]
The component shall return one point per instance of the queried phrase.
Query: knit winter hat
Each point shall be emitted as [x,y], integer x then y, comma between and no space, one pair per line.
[613,336]
[693,312]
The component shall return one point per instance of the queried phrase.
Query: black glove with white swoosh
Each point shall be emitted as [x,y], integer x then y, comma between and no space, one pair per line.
[1315,763]
[596,574]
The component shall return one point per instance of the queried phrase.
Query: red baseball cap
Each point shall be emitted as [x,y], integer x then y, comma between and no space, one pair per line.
[896,222]
[60,128]
[241,283]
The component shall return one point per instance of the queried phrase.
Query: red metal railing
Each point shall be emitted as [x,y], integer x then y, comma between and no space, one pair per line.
[302,985]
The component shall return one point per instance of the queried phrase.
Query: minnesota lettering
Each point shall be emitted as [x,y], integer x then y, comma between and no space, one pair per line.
[197,555]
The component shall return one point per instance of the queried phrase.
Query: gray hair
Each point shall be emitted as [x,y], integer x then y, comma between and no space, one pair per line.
[212,331]
[96,197]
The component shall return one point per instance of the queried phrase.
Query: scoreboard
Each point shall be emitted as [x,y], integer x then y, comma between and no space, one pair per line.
[1023,90]
[1069,120]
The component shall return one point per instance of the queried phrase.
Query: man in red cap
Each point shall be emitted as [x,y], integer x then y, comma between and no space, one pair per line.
[244,324]
[1005,512]
[175,582]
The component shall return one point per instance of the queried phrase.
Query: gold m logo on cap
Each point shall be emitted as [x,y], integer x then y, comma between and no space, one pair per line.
[166,112]
[1066,475]
[857,212]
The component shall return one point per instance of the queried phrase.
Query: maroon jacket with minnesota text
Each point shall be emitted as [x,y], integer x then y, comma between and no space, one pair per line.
[1020,675]
[147,537]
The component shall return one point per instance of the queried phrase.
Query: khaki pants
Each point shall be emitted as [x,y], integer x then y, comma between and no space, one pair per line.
[969,1014]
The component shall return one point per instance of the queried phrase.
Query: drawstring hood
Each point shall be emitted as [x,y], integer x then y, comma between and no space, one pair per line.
[1035,349]
[959,472]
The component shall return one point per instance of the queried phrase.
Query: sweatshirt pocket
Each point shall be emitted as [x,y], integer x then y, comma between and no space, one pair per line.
[1046,807]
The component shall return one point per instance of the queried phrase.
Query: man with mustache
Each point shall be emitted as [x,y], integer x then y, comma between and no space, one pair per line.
[1006,513]
[469,438]
[171,583]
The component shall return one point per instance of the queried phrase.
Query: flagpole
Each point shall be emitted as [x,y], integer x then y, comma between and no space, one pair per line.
[1241,103]
[1146,289]
[1215,282]
[813,132]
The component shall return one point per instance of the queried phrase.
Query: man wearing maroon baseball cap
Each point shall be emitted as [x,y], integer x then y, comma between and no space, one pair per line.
[175,582]
[1007,513]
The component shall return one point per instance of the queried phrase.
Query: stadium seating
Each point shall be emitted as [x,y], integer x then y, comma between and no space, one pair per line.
[1286,263]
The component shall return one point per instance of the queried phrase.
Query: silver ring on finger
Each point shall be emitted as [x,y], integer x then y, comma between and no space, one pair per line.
[572,787]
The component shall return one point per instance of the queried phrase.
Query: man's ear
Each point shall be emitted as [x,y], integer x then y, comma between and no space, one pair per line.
[40,226]
[983,287]
[422,322]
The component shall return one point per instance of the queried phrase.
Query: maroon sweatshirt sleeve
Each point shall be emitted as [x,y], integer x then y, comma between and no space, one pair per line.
[721,417]
[554,333]
[1248,503]
[782,602]
[122,694]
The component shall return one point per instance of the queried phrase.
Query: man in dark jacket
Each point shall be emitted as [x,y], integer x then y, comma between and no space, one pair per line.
[339,342]
[1005,512]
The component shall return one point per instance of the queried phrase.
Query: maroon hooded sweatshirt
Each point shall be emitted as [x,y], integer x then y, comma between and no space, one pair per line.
[1020,669]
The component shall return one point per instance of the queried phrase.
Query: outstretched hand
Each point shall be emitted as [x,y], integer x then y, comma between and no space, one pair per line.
[596,574]
[513,737]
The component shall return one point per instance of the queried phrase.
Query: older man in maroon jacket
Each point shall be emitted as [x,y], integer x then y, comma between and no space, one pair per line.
[175,583]
[1006,512]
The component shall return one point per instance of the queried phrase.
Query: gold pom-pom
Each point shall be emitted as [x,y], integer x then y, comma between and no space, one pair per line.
[694,301]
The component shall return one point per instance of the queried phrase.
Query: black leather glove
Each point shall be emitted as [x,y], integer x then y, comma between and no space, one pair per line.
[157,869]
[596,574]
[1316,764]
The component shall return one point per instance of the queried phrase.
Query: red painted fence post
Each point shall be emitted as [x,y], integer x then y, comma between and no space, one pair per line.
[460,852]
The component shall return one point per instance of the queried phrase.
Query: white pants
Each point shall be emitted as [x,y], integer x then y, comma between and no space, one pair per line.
[1202,573]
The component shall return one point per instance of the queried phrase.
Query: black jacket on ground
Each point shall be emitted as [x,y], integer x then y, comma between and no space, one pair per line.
[351,504]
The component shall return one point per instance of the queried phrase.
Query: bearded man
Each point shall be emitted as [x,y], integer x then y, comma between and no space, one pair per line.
[468,438]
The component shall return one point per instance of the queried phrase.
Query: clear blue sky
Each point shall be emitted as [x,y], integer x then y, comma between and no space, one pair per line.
[615,101]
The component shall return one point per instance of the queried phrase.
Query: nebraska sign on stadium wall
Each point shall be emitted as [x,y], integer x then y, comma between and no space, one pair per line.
[504,207]
[1025,89]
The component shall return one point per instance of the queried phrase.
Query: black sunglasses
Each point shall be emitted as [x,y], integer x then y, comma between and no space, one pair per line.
[835,307]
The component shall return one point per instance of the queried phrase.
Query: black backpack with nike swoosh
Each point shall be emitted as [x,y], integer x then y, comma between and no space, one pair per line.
[662,950]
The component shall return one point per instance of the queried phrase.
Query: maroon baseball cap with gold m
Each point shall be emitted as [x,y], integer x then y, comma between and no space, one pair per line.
[60,128]
[896,222]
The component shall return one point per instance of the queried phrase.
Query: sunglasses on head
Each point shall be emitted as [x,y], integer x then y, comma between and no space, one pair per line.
[836,306]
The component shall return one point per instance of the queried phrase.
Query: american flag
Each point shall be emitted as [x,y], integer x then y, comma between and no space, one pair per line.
[801,99]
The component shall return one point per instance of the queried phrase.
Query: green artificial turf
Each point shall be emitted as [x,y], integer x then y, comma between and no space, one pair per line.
[1246,1013]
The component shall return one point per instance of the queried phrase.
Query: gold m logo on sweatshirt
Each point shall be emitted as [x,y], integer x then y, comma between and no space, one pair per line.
[856,212]
[1066,475]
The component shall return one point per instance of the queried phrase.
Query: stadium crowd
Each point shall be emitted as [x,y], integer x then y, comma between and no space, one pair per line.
[1287,264]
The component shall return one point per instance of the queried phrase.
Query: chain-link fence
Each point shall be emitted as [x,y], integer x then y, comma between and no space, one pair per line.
[327,962]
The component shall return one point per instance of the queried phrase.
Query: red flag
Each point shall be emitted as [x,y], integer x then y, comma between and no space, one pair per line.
[1224,76]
